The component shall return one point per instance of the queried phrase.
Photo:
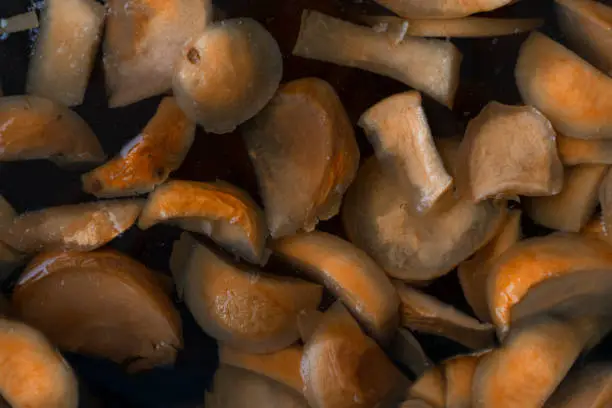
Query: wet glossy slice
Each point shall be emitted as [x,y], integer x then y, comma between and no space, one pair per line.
[441,8]
[430,387]
[596,228]
[574,151]
[459,375]
[588,387]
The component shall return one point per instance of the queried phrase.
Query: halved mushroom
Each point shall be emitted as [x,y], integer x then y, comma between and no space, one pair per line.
[34,374]
[100,303]
[37,128]
[245,309]
[574,151]
[430,66]
[80,227]
[406,349]
[148,159]
[572,94]
[228,74]
[414,248]
[474,272]
[425,313]
[589,387]
[572,208]
[596,228]
[441,8]
[303,148]
[225,213]
[350,274]
[430,387]
[397,128]
[143,41]
[65,50]
[459,375]
[605,199]
[9,258]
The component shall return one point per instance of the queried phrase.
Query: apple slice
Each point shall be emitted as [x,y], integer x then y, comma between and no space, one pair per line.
[459,375]
[574,151]
[406,349]
[430,387]
[441,9]
[589,387]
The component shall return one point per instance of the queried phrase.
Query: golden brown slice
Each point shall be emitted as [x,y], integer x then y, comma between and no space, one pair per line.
[459,375]
[37,128]
[408,247]
[245,309]
[424,313]
[65,50]
[572,94]
[350,274]
[441,8]
[589,387]
[429,66]
[406,349]
[397,128]
[100,303]
[303,148]
[143,41]
[574,151]
[430,387]
[79,227]
[34,374]
[474,272]
[225,213]
[227,74]
[148,159]
[596,228]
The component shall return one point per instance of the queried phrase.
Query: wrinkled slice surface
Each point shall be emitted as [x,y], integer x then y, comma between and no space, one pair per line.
[430,387]
[574,151]
[441,8]
[589,387]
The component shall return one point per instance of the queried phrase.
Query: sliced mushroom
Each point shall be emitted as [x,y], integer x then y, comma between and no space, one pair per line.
[350,274]
[596,228]
[459,375]
[80,227]
[34,374]
[474,272]
[148,159]
[224,212]
[308,320]
[605,199]
[245,309]
[424,313]
[589,387]
[397,128]
[143,42]
[228,74]
[406,349]
[414,248]
[303,148]
[572,94]
[65,50]
[441,8]
[430,387]
[36,128]
[9,258]
[574,151]
[430,66]
[100,303]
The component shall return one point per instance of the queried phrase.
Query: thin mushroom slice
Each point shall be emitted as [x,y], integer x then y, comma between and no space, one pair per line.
[589,387]
[574,151]
[572,94]
[244,309]
[406,349]
[430,66]
[441,9]
[430,387]
[80,227]
[459,375]
[148,159]
[350,274]
[100,303]
[397,128]
[303,148]
[225,213]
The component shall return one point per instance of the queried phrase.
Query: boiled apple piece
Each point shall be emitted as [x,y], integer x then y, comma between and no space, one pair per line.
[589,387]
[303,148]
[430,387]
[459,375]
[440,9]
[406,349]
[574,151]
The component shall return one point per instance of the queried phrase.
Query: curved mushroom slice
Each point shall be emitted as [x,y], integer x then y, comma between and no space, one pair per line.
[34,374]
[509,150]
[397,128]
[474,272]
[225,213]
[459,375]
[148,159]
[572,94]
[430,387]
[414,248]
[572,208]
[574,151]
[36,128]
[245,309]
[303,148]
[596,228]
[406,349]
[441,8]
[349,274]
[100,303]
[590,387]
[80,227]
[228,74]
[424,313]
[142,42]
[430,66]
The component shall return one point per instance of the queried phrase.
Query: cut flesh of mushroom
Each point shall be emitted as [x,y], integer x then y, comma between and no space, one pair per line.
[224,212]
[34,374]
[406,349]
[80,227]
[459,375]
[397,128]
[572,94]
[430,66]
[572,208]
[590,387]
[148,159]
[100,303]
[36,128]
[65,51]
[350,274]
[303,148]
[245,309]
[596,228]
[605,199]
[430,387]
[508,151]
[574,151]
[440,9]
